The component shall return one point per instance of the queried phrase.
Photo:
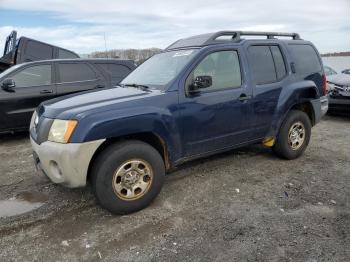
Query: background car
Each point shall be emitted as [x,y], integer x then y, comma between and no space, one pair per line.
[338,88]
[24,49]
[346,71]
[25,86]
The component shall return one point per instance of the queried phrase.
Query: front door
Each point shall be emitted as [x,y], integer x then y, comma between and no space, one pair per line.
[218,116]
[33,85]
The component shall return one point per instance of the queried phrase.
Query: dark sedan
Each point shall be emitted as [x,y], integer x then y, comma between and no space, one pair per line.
[25,86]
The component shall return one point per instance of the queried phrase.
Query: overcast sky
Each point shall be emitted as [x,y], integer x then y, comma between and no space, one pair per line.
[80,25]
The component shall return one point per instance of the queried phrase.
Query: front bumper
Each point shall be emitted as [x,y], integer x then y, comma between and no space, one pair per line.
[65,164]
[339,101]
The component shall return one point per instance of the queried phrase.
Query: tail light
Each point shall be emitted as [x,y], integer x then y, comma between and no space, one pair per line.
[324,85]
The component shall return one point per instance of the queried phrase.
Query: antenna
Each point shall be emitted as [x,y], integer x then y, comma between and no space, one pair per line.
[104,36]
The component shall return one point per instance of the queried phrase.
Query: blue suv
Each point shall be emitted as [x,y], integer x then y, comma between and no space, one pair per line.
[200,96]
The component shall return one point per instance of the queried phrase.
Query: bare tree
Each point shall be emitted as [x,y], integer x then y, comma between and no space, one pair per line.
[137,55]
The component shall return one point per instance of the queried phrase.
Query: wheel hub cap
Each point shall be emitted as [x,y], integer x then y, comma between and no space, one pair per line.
[132,179]
[296,135]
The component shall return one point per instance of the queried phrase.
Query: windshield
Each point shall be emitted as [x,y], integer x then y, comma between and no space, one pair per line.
[7,71]
[160,69]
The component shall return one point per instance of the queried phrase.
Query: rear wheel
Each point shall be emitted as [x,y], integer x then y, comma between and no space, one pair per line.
[294,135]
[127,176]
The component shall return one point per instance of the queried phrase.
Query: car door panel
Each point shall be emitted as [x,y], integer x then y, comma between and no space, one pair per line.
[216,119]
[268,71]
[17,107]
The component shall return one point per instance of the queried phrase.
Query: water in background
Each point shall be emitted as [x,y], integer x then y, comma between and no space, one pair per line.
[338,63]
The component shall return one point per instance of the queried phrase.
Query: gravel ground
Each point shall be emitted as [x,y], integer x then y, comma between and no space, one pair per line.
[243,205]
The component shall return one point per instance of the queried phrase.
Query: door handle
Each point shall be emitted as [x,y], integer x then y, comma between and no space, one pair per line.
[99,86]
[46,91]
[243,97]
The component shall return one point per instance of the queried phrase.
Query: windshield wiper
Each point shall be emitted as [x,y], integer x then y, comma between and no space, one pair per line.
[136,85]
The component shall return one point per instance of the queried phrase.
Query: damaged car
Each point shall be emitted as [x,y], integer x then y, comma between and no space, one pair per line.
[339,93]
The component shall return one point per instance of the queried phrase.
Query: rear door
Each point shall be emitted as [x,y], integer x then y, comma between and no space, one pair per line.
[33,86]
[268,73]
[75,77]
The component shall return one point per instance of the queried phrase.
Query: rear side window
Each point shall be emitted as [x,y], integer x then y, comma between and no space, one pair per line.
[33,76]
[75,72]
[66,54]
[38,50]
[306,59]
[262,64]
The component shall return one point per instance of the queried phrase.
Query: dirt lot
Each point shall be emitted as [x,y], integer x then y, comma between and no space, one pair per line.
[244,205]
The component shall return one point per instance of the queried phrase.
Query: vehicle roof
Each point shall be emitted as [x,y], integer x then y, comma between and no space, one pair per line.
[227,37]
[31,39]
[110,60]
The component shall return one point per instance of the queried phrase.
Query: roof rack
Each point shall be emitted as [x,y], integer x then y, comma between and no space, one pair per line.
[212,38]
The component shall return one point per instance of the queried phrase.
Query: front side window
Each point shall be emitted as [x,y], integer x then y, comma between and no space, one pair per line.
[224,69]
[160,69]
[33,76]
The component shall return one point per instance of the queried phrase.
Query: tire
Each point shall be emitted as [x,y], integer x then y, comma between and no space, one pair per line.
[289,144]
[120,174]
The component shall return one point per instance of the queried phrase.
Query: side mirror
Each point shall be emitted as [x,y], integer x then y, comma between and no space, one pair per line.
[8,85]
[201,82]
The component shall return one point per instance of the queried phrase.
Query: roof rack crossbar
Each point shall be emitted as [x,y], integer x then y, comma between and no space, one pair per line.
[212,38]
[236,35]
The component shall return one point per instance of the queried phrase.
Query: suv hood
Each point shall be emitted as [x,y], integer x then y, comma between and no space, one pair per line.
[77,106]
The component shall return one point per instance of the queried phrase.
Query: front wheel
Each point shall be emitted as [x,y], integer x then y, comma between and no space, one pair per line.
[127,176]
[294,135]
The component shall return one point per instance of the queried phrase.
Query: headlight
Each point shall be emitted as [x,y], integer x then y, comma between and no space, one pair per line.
[61,130]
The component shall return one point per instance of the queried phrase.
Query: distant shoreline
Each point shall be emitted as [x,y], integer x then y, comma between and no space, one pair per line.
[336,54]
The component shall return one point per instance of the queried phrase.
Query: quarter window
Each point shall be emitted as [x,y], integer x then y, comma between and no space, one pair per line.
[75,72]
[33,76]
[223,67]
[115,70]
[306,59]
[66,54]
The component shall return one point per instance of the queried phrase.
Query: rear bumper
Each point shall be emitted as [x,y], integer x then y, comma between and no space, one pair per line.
[65,164]
[324,105]
[320,107]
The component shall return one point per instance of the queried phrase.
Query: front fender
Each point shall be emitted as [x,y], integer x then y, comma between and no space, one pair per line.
[130,121]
